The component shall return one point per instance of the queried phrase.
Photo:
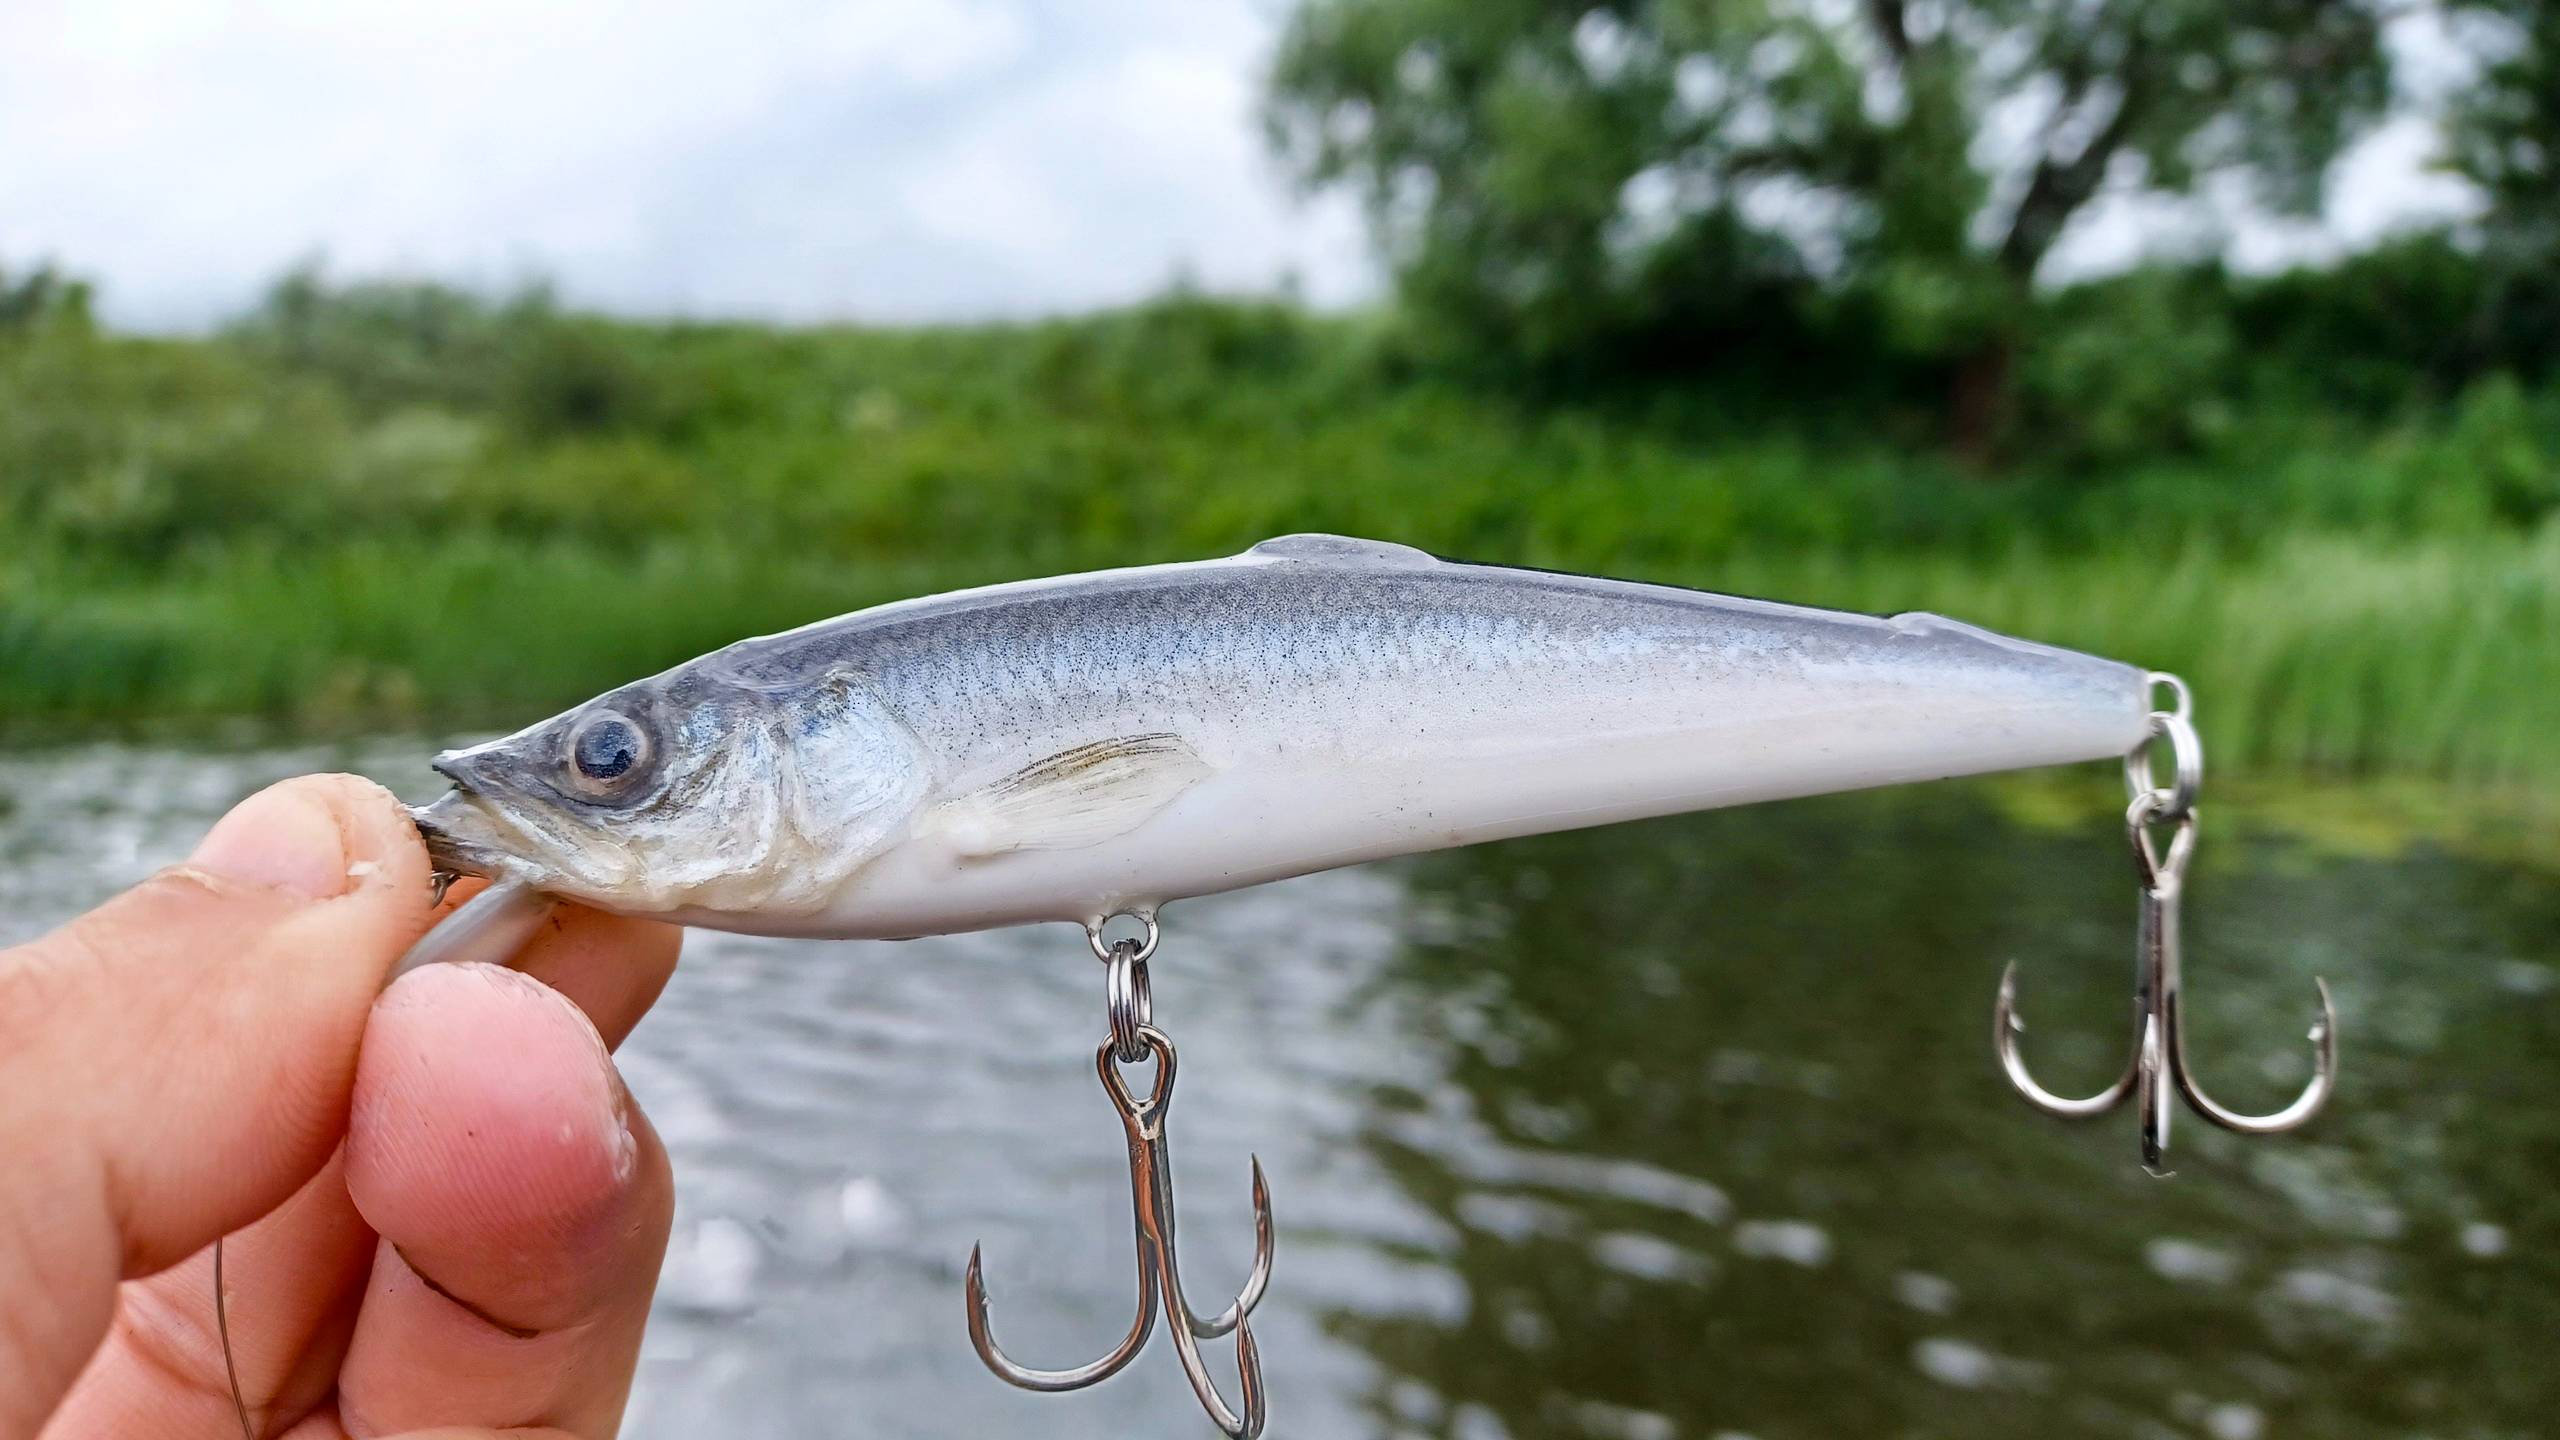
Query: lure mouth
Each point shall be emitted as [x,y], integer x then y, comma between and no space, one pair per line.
[466,833]
[445,825]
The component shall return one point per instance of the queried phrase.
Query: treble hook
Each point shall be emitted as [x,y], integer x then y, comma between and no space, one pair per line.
[2159,1034]
[1135,1038]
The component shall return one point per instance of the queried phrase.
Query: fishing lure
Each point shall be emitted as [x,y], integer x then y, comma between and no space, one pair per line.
[1092,747]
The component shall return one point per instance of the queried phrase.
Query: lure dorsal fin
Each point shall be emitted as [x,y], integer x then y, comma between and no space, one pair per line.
[1073,798]
[1342,550]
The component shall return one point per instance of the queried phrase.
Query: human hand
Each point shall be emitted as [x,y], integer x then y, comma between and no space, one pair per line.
[463,1212]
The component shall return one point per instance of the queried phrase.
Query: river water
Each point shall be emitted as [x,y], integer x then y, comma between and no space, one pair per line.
[1681,1129]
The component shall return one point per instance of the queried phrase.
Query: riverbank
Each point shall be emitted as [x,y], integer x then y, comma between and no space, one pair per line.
[2316,655]
[412,509]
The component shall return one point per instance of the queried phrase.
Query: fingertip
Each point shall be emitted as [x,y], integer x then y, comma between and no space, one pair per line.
[522,1203]
[485,1111]
[316,837]
[384,849]
[282,838]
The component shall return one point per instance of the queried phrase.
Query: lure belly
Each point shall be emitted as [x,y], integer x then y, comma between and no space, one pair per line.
[1064,749]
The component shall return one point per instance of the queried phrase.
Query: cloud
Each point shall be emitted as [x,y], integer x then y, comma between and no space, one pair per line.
[798,159]
[788,158]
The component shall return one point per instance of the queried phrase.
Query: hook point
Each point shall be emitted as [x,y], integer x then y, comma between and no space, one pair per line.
[2007,1004]
[1249,1381]
[2007,1026]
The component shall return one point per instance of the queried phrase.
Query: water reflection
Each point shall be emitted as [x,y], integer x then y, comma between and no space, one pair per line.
[1789,1005]
[1682,1129]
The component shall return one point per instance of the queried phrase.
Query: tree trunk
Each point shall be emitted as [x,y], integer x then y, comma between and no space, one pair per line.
[1981,402]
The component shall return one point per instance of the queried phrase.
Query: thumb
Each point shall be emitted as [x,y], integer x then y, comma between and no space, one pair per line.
[174,1063]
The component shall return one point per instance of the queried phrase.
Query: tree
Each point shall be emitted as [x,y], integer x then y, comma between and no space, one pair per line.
[43,295]
[2505,132]
[2506,128]
[1568,181]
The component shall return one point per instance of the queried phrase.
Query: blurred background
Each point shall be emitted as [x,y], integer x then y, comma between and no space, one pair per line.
[372,378]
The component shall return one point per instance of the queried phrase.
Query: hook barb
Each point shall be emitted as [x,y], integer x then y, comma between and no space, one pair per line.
[2007,1025]
[2160,1054]
[1248,1424]
[1257,1281]
[2314,1096]
[1093,1372]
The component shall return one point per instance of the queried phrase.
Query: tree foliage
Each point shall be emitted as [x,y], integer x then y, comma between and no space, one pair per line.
[1559,179]
[2506,128]
[42,296]
[2505,132]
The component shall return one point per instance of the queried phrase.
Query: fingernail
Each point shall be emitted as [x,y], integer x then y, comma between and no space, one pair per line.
[279,838]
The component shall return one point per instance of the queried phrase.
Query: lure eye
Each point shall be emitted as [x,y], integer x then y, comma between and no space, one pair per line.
[606,748]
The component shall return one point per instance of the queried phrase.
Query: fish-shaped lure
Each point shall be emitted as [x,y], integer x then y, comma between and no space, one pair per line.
[1066,749]
[1096,745]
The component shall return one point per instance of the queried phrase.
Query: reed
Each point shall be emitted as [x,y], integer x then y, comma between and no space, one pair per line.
[409,507]
[2322,653]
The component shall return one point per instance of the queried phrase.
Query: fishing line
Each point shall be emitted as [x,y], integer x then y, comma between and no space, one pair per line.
[222,1327]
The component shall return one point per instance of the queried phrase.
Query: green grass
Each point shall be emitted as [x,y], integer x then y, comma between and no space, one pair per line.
[401,507]
[2325,653]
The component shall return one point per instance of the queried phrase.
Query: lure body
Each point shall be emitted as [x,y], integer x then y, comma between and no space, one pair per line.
[1062,749]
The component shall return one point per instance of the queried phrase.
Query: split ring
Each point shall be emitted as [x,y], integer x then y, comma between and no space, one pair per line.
[1103,952]
[2186,756]
[1131,1002]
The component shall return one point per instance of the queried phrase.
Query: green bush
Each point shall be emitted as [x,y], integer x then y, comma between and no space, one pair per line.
[383,502]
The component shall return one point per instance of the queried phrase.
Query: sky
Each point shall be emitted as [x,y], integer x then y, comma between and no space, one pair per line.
[789,159]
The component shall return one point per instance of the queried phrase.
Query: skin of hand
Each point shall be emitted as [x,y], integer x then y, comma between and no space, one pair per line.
[445,1212]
